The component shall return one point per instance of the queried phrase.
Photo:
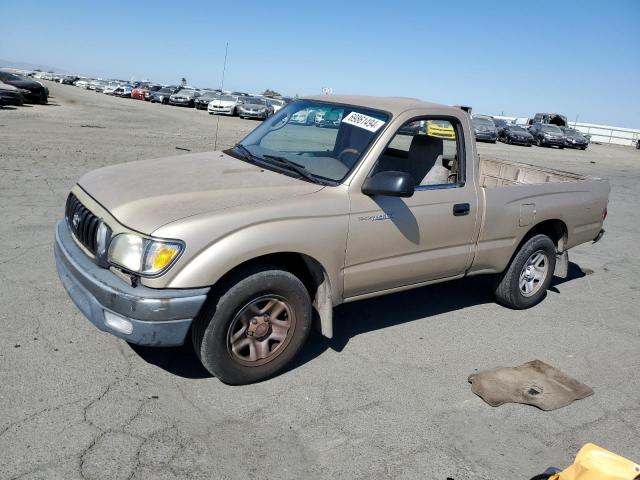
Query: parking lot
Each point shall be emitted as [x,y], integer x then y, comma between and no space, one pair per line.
[388,397]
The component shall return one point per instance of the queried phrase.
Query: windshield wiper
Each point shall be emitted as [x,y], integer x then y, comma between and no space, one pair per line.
[245,153]
[296,167]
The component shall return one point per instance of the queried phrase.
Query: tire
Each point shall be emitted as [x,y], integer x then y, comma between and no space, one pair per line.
[511,285]
[539,142]
[233,313]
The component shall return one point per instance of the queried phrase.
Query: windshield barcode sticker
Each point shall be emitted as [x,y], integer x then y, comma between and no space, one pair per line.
[363,121]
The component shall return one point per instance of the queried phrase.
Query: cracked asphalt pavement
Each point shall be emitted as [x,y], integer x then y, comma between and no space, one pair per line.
[387,398]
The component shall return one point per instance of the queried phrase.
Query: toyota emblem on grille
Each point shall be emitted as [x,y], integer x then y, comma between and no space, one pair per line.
[75,220]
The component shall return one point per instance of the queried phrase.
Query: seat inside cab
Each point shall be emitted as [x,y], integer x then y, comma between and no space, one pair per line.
[426,150]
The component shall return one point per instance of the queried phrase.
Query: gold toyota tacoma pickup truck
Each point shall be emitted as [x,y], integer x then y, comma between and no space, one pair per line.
[240,251]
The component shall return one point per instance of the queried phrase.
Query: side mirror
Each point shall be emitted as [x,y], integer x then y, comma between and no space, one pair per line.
[390,184]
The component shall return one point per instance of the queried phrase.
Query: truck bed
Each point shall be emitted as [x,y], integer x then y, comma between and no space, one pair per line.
[518,196]
[496,172]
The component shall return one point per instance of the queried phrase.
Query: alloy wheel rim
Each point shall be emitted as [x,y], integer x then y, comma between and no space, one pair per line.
[261,330]
[533,274]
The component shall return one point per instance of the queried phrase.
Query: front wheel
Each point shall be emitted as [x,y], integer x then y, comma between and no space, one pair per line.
[525,281]
[255,328]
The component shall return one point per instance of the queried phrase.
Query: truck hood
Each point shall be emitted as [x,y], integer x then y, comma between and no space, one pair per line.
[144,195]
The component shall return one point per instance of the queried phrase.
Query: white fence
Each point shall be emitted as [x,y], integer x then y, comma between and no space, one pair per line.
[607,134]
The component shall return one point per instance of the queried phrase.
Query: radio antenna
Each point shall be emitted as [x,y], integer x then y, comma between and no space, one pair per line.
[224,69]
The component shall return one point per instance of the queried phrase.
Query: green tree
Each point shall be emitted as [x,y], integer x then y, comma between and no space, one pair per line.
[270,93]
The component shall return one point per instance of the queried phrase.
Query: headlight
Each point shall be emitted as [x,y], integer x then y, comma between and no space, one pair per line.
[143,255]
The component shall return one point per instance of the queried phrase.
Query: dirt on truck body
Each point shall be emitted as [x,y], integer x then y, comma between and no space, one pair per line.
[238,251]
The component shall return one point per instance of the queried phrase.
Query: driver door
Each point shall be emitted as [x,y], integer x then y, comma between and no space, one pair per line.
[396,242]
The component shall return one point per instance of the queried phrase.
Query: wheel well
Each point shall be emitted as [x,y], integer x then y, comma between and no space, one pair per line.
[556,230]
[310,272]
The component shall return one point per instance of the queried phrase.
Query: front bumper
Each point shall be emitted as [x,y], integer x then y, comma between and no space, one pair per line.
[553,142]
[221,110]
[569,144]
[486,137]
[159,317]
[247,114]
[36,95]
[180,103]
[520,140]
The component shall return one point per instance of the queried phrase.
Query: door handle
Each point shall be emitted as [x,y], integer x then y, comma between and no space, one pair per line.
[461,209]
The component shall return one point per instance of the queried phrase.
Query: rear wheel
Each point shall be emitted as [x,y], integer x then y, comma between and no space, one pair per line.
[539,142]
[255,328]
[525,281]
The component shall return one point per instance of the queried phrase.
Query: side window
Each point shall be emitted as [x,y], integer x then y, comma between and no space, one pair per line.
[428,150]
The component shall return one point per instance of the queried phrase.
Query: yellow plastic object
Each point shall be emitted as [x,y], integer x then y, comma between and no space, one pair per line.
[595,463]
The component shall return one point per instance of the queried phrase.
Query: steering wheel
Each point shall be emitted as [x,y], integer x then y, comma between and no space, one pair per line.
[348,150]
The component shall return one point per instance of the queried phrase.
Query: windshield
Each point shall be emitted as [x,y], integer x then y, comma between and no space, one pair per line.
[551,128]
[228,98]
[516,128]
[300,134]
[254,101]
[485,122]
[186,92]
[8,76]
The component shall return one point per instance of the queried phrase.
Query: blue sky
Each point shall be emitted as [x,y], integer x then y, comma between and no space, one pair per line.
[518,57]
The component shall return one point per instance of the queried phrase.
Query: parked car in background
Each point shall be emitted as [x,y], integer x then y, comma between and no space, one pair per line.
[82,83]
[69,80]
[547,135]
[162,95]
[306,116]
[123,91]
[184,98]
[276,103]
[33,91]
[207,96]
[255,107]
[225,105]
[10,95]
[500,124]
[150,90]
[110,88]
[440,129]
[100,86]
[139,93]
[484,129]
[574,138]
[329,118]
[551,118]
[515,134]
